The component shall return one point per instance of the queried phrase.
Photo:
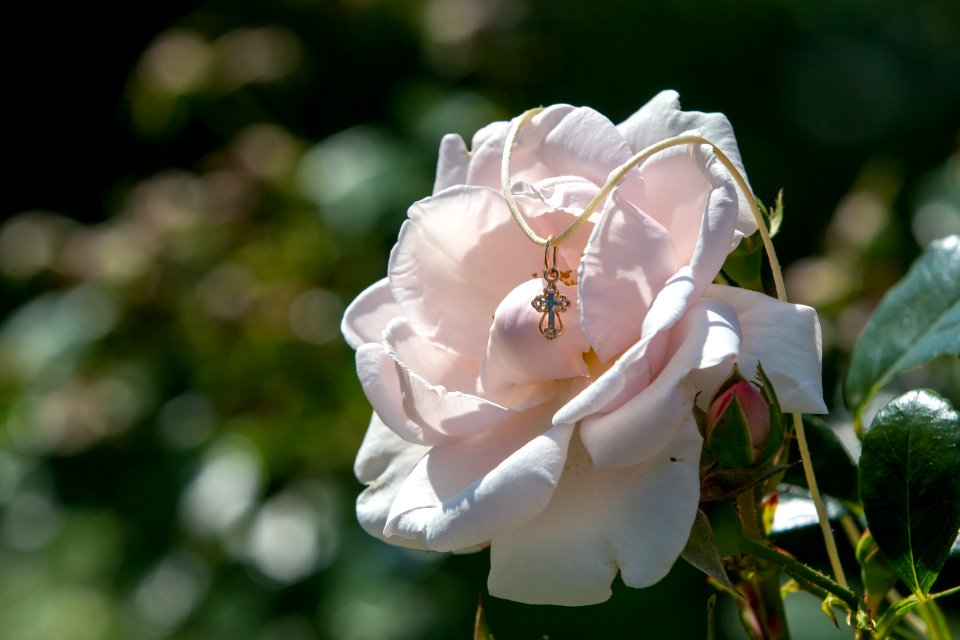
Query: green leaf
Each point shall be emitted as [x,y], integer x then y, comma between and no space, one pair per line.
[775,215]
[918,319]
[743,267]
[835,471]
[701,552]
[910,484]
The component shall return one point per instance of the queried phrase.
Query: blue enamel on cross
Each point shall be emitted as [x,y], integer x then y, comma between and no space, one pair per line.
[550,303]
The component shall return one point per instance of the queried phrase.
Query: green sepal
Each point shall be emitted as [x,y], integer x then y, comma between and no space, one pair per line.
[777,428]
[725,484]
[701,551]
[730,440]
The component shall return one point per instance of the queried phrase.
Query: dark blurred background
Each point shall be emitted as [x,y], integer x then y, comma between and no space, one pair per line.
[194,191]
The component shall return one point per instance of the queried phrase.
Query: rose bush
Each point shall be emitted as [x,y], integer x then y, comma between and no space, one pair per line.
[576,458]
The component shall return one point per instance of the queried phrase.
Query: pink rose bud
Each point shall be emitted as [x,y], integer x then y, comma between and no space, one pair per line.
[738,425]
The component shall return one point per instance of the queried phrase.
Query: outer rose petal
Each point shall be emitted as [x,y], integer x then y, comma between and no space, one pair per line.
[690,193]
[708,336]
[369,313]
[383,463]
[452,163]
[457,256]
[463,493]
[559,141]
[780,336]
[636,519]
[486,149]
[628,259]
[416,410]
[433,363]
[662,118]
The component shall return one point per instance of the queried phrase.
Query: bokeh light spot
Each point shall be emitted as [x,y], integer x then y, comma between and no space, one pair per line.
[176,62]
[187,420]
[170,592]
[31,521]
[224,489]
[315,316]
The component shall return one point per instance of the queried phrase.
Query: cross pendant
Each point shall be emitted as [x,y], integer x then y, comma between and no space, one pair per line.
[550,303]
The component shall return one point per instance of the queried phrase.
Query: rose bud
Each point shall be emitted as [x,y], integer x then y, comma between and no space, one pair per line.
[737,426]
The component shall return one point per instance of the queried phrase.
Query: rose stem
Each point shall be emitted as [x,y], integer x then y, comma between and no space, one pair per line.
[800,571]
[764,578]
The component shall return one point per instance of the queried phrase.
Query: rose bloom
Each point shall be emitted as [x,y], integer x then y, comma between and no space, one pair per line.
[577,458]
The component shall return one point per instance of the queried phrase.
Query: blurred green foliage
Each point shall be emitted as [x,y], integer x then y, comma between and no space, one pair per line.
[178,414]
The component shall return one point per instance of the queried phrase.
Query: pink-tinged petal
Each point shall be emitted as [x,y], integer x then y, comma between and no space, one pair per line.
[635,519]
[463,493]
[383,463]
[565,193]
[486,151]
[430,361]
[785,338]
[489,143]
[690,193]
[378,376]
[459,253]
[518,355]
[632,372]
[369,313]
[551,206]
[452,163]
[671,303]
[628,259]
[442,414]
[416,410]
[628,376]
[559,141]
[707,336]
[662,118]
